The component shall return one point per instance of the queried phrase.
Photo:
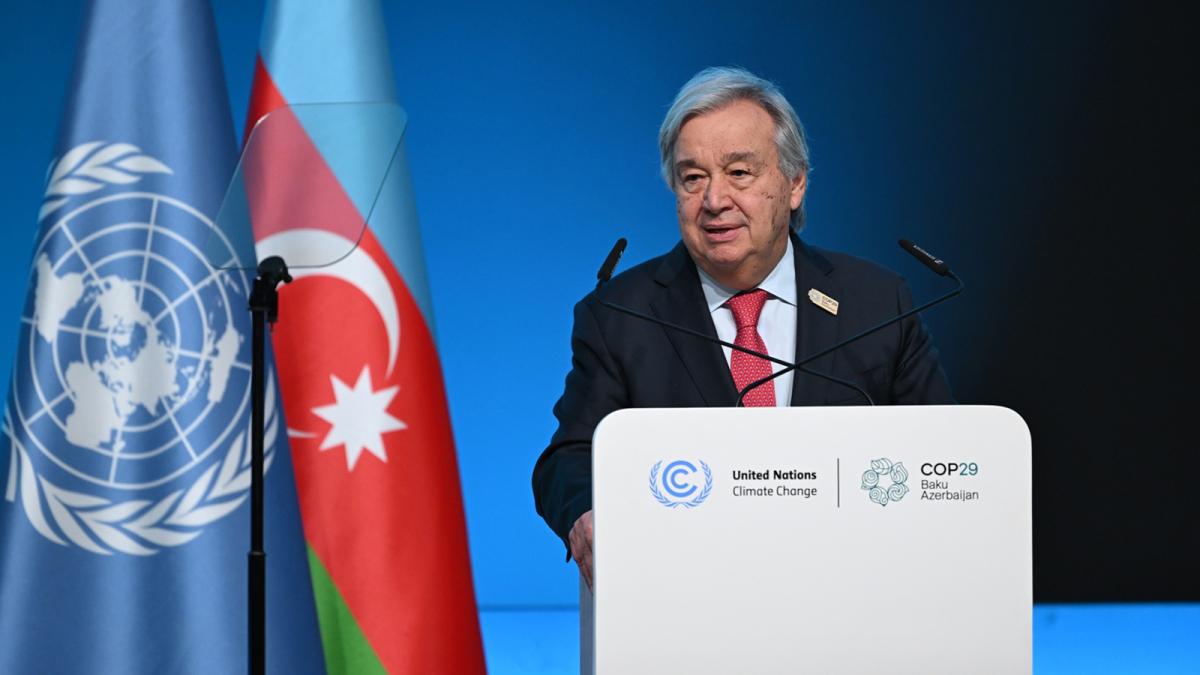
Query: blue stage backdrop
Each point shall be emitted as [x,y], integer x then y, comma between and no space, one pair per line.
[1032,147]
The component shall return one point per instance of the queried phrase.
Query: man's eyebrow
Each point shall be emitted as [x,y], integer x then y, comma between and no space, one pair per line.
[744,156]
[729,158]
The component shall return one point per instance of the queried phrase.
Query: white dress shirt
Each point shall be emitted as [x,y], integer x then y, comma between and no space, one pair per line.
[776,324]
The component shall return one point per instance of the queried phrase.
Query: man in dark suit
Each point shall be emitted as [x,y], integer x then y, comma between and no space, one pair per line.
[734,154]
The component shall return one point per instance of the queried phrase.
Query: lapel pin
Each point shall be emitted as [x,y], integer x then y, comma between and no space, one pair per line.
[823,301]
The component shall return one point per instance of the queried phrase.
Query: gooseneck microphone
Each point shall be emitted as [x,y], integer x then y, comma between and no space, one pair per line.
[929,260]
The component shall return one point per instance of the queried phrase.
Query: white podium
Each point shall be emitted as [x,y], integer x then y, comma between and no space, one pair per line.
[811,540]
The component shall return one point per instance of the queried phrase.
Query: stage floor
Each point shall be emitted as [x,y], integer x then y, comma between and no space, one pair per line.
[1143,639]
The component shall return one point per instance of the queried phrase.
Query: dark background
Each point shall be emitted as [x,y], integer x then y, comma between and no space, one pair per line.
[1045,150]
[1085,319]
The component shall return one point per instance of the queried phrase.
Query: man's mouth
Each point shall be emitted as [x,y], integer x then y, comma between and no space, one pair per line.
[721,232]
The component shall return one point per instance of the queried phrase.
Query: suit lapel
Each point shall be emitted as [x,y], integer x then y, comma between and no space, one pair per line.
[682,302]
[816,329]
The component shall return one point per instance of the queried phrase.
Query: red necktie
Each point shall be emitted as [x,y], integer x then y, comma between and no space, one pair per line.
[746,368]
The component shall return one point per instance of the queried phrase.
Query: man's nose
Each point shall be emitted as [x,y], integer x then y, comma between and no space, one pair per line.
[716,195]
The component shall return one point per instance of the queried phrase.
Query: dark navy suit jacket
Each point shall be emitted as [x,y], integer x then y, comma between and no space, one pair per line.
[619,361]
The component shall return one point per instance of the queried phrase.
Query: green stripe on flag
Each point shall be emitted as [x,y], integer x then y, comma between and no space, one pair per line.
[346,648]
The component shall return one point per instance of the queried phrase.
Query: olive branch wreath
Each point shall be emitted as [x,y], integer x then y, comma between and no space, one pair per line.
[90,166]
[103,526]
[695,501]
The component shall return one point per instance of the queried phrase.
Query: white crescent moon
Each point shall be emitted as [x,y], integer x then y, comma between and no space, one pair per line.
[306,246]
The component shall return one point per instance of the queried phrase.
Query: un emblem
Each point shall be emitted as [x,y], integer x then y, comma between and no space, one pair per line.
[129,407]
[679,483]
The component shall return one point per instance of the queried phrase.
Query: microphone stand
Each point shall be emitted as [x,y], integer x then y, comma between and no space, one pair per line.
[264,307]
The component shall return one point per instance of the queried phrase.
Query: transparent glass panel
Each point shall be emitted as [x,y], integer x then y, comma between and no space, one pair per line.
[306,185]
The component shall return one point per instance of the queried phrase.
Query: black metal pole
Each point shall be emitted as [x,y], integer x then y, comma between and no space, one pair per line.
[264,308]
[257,556]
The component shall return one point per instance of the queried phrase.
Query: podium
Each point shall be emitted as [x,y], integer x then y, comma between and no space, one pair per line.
[811,540]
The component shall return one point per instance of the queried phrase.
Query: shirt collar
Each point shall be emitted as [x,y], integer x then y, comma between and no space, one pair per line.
[780,283]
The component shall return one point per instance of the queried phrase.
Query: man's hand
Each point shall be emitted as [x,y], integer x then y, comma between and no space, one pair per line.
[581,545]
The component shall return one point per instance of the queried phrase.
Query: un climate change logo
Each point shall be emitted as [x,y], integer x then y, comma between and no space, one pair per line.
[883,469]
[679,483]
[129,401]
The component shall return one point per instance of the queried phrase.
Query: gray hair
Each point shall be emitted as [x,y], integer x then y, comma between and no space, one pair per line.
[714,88]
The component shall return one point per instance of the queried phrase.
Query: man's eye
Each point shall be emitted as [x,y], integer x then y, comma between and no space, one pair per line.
[739,173]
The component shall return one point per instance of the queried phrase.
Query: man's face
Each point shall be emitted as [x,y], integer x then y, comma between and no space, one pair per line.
[733,202]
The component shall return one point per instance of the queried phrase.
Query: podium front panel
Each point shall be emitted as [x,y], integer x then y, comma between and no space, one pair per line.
[823,540]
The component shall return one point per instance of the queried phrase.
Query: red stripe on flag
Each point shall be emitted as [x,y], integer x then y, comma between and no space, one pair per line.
[264,97]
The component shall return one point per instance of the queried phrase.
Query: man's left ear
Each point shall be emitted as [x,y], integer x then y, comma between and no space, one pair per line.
[799,185]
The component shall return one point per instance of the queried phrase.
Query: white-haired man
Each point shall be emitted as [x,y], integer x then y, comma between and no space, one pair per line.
[734,154]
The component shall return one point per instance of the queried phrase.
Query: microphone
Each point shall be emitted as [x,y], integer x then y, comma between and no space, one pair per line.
[605,274]
[929,260]
[610,263]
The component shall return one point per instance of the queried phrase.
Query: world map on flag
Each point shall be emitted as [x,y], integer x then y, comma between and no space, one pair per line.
[138,367]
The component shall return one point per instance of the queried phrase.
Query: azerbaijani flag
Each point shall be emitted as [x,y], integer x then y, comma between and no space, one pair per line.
[358,368]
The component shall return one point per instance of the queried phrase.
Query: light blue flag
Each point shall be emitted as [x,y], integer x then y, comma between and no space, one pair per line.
[124,464]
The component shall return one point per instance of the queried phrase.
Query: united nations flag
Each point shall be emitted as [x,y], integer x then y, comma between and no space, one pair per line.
[125,452]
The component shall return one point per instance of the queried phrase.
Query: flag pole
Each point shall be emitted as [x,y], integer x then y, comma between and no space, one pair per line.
[264,306]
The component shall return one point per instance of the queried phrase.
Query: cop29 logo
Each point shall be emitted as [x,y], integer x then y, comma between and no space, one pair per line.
[680,483]
[873,481]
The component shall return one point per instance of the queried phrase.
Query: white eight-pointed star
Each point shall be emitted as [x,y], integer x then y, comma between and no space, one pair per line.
[359,418]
